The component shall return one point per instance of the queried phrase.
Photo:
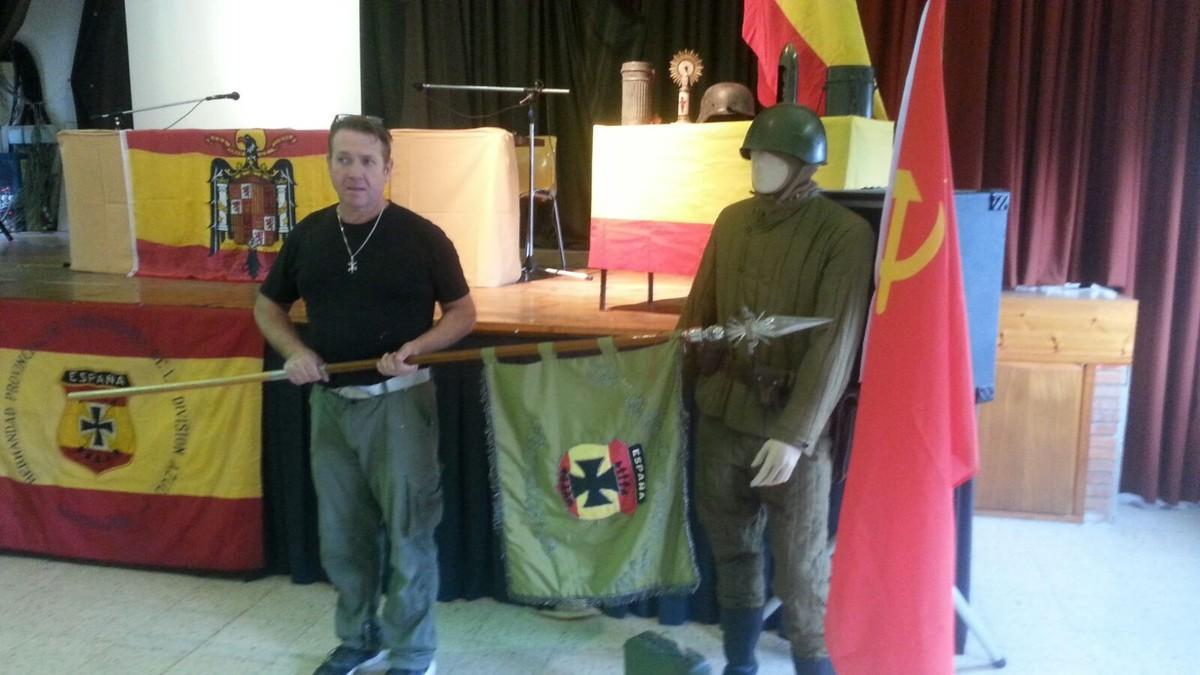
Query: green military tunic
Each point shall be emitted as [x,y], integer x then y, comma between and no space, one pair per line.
[808,257]
[801,257]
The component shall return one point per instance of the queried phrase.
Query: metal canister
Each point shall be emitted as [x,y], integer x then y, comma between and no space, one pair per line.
[637,92]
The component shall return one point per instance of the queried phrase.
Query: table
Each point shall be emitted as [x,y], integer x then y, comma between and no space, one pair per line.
[657,189]
[97,201]
[463,180]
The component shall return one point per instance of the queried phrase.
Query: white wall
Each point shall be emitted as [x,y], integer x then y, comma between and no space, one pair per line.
[294,62]
[50,31]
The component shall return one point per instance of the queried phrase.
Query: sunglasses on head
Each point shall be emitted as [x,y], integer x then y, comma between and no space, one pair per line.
[347,116]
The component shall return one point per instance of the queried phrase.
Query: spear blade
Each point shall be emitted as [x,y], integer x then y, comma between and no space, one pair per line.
[753,330]
[778,325]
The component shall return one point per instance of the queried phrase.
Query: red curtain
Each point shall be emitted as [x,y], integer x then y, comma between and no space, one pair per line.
[1089,113]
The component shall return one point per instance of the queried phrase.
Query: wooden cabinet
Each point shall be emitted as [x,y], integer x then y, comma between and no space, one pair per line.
[1029,439]
[1037,438]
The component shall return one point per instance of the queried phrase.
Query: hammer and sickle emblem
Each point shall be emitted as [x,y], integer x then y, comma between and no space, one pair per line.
[894,269]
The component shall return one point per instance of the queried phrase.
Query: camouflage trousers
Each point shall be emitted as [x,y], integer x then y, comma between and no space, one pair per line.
[794,515]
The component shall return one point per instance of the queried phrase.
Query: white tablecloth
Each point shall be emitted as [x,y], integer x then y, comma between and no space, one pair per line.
[465,181]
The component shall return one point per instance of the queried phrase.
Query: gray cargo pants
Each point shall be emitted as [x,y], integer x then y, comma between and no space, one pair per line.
[376,473]
[795,515]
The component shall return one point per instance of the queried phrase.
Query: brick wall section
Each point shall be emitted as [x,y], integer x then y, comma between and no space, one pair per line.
[1110,404]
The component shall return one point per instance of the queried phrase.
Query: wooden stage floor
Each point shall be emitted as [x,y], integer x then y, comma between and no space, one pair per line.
[35,266]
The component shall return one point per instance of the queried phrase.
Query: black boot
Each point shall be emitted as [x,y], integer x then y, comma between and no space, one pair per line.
[820,665]
[740,628]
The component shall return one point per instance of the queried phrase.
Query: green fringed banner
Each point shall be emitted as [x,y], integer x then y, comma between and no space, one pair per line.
[588,474]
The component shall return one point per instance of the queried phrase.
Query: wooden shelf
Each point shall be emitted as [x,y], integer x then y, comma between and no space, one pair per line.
[1062,330]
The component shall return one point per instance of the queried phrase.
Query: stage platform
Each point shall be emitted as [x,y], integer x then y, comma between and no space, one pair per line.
[35,266]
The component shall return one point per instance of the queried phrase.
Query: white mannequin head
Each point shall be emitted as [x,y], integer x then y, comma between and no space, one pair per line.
[769,171]
[781,176]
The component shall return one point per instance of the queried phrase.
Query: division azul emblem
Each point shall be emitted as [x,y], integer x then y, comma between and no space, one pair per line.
[97,433]
[597,481]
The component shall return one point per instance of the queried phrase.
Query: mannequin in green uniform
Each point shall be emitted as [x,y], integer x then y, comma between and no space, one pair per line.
[763,447]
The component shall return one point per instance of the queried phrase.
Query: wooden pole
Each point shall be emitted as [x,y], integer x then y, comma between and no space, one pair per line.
[455,356]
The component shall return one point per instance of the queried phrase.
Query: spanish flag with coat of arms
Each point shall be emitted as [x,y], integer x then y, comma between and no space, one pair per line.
[163,480]
[218,204]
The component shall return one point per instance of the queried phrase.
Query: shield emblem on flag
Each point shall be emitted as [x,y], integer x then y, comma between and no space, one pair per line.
[597,481]
[251,203]
[253,213]
[98,433]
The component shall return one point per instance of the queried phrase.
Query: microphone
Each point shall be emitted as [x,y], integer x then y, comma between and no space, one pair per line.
[233,96]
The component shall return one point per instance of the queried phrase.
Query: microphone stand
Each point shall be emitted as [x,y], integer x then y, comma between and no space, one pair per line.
[529,268]
[117,115]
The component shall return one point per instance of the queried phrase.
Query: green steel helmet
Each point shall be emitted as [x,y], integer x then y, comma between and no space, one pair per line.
[790,129]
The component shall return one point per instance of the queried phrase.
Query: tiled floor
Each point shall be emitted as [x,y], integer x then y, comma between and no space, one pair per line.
[1120,597]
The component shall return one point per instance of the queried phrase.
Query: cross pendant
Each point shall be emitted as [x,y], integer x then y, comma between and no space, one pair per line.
[352,266]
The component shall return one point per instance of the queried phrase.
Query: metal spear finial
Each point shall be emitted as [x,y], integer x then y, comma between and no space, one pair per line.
[753,329]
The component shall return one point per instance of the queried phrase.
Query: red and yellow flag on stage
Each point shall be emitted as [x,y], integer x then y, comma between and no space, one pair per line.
[890,605]
[163,480]
[824,32]
[217,204]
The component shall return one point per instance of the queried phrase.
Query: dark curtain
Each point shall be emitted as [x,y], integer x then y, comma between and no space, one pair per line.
[100,71]
[28,102]
[12,15]
[1087,113]
[289,500]
[571,44]
[1162,447]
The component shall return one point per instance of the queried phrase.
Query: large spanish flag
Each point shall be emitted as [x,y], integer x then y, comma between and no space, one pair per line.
[169,480]
[824,32]
[217,204]
[891,603]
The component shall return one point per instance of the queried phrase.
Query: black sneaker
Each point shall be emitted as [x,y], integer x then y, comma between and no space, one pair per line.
[344,660]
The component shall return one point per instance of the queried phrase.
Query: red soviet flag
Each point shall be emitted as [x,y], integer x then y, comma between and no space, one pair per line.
[890,605]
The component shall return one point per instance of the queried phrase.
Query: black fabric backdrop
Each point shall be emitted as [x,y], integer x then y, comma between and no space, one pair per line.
[12,15]
[571,44]
[100,72]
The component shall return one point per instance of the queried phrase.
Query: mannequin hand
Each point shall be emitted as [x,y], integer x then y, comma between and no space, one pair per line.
[778,459]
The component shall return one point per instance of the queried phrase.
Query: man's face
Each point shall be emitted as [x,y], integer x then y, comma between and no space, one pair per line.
[359,172]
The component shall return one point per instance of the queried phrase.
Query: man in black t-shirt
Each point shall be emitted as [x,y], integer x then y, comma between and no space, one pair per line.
[370,273]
